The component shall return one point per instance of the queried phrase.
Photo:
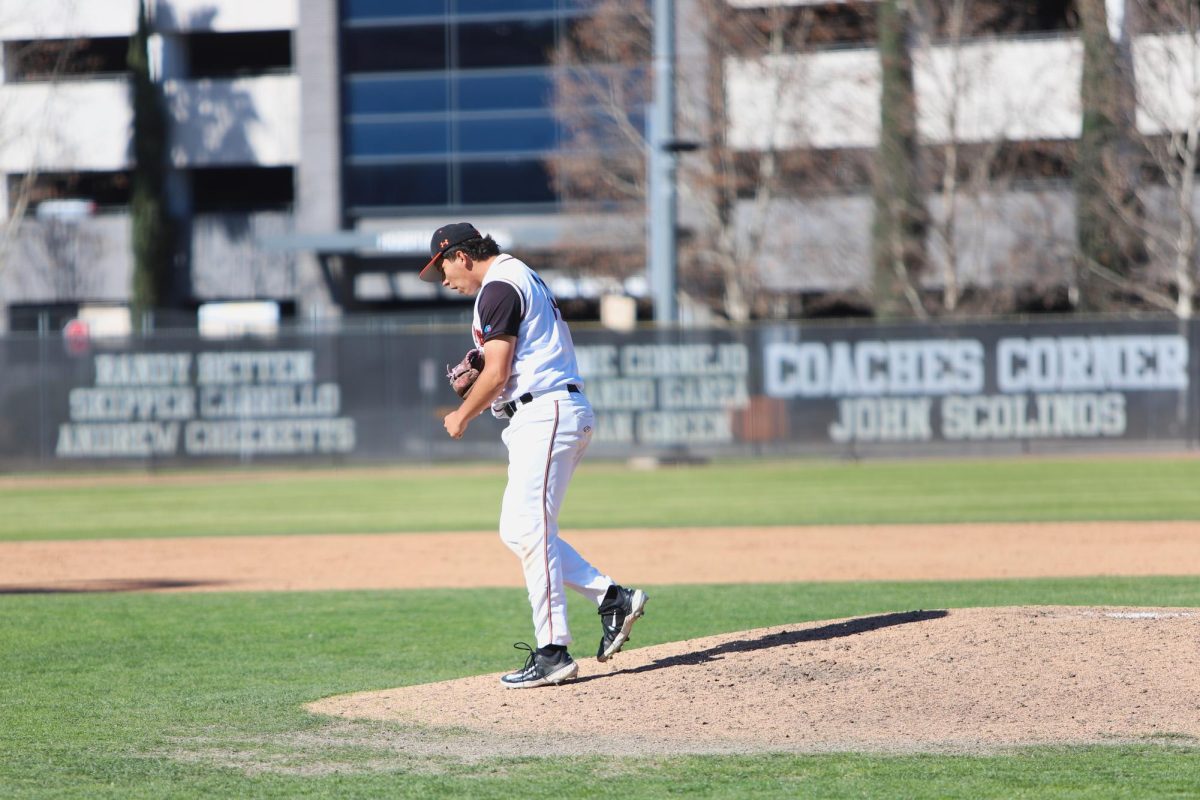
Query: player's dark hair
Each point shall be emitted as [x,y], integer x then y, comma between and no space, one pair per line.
[478,248]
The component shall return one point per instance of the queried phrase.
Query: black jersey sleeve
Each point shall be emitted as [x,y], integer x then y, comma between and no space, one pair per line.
[500,310]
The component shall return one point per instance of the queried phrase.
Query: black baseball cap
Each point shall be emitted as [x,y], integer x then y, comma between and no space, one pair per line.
[446,238]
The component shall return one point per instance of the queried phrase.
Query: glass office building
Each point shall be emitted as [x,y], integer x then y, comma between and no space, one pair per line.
[447,105]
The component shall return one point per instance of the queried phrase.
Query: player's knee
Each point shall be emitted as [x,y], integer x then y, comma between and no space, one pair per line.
[522,534]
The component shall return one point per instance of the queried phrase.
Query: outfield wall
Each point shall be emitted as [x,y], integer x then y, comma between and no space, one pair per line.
[786,389]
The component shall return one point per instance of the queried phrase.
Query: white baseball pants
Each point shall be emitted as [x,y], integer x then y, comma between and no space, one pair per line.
[546,439]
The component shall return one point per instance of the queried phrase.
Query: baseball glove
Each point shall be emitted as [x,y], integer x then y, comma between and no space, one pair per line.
[462,376]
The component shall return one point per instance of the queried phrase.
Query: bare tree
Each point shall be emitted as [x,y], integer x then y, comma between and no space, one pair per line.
[726,188]
[970,164]
[963,170]
[48,62]
[732,187]
[602,87]
[1166,65]
[58,251]
[952,87]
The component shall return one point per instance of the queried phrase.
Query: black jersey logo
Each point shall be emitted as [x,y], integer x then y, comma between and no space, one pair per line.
[546,289]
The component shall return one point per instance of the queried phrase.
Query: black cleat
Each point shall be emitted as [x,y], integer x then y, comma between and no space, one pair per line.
[542,667]
[620,609]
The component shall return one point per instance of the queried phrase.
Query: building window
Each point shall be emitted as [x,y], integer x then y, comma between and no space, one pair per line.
[510,6]
[398,185]
[226,55]
[383,138]
[391,9]
[499,183]
[47,59]
[394,49]
[510,89]
[106,190]
[451,105]
[511,132]
[506,44]
[806,26]
[366,94]
[242,189]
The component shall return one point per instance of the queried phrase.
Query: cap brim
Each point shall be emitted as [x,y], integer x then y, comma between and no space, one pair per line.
[430,273]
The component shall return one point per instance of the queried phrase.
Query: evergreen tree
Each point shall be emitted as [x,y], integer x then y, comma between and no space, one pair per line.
[901,219]
[152,236]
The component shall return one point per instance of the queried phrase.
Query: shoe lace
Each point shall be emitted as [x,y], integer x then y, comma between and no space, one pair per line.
[532,655]
[612,620]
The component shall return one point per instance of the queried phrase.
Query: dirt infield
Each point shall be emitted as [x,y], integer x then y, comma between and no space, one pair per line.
[932,680]
[664,556]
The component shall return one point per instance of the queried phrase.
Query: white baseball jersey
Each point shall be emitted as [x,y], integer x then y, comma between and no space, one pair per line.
[514,301]
[546,438]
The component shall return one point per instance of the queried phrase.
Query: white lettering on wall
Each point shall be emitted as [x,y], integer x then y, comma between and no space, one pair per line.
[720,391]
[304,400]
[131,440]
[256,367]
[113,405]
[598,361]
[241,403]
[684,359]
[614,427]
[696,427]
[1091,363]
[629,394]
[270,437]
[873,368]
[666,394]
[1040,416]
[1048,386]
[872,419]
[144,369]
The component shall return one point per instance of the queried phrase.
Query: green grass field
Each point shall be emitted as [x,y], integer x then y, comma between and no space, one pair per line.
[180,695]
[609,496]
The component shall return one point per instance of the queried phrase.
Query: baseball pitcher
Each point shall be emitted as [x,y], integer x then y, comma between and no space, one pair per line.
[522,367]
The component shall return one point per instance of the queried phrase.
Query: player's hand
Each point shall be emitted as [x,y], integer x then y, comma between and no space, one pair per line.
[455,425]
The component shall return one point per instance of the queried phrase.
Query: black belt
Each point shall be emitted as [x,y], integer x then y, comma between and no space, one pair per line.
[510,408]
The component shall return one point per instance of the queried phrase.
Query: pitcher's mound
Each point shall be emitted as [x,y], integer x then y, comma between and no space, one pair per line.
[921,680]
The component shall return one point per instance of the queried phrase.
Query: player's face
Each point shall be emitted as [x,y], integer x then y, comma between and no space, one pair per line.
[456,275]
